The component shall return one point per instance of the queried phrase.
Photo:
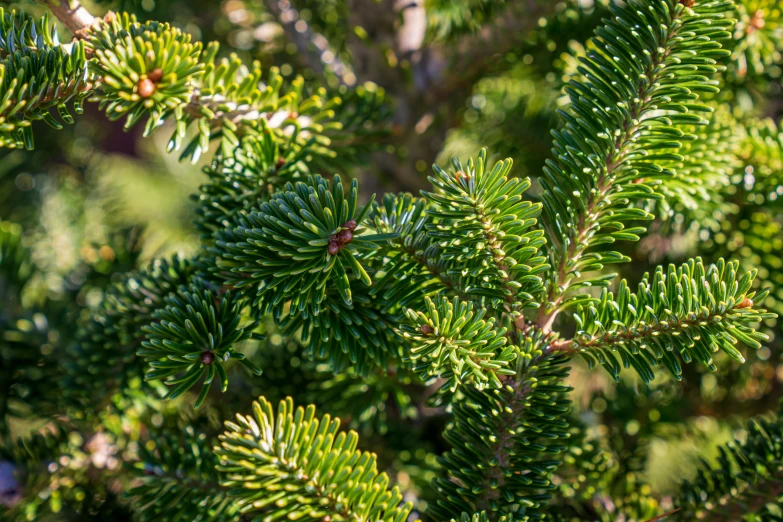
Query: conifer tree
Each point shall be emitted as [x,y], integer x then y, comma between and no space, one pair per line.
[328,354]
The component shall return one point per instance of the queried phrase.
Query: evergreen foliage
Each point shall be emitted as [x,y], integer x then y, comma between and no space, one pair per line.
[107,342]
[453,335]
[14,260]
[295,465]
[758,36]
[183,456]
[506,442]
[692,311]
[694,192]
[483,225]
[763,150]
[746,478]
[357,335]
[304,237]
[642,88]
[37,74]
[180,330]
[443,325]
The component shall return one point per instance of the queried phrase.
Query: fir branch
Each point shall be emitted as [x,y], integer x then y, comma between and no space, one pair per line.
[299,251]
[153,70]
[288,250]
[505,441]
[192,337]
[251,173]
[429,261]
[695,195]
[452,341]
[603,154]
[758,37]
[756,242]
[487,230]
[413,266]
[33,82]
[178,480]
[107,340]
[296,464]
[22,33]
[359,336]
[691,310]
[747,479]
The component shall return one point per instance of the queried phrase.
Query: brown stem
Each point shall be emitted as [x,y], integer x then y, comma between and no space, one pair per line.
[611,338]
[72,14]
[661,517]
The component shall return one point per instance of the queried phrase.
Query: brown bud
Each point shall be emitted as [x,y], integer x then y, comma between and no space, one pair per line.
[746,303]
[460,175]
[426,329]
[688,3]
[146,88]
[344,237]
[756,22]
[350,224]
[207,358]
[638,181]
[156,75]
[333,248]
[280,163]
[293,115]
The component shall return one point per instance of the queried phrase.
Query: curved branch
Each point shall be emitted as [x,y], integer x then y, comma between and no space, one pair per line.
[72,14]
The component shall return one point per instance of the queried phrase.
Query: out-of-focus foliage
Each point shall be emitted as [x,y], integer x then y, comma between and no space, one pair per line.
[421,329]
